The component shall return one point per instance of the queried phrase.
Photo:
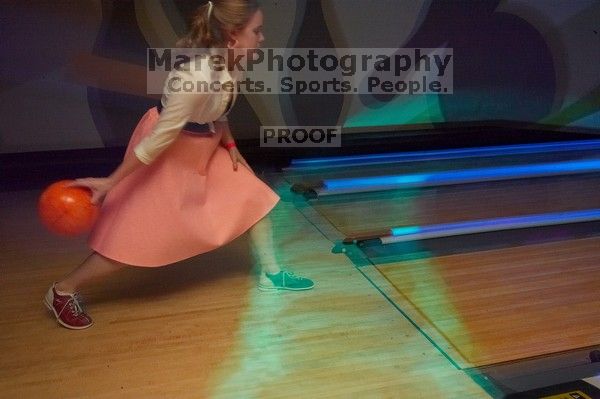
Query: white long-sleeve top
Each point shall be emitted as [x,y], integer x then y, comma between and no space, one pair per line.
[181,107]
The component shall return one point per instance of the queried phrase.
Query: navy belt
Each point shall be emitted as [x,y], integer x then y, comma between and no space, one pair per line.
[190,126]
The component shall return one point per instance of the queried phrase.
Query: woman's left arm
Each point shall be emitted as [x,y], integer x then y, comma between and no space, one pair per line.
[228,142]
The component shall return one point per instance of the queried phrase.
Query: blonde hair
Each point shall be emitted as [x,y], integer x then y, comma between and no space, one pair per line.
[212,21]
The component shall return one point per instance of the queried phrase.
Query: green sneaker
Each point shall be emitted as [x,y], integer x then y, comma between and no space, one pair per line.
[284,280]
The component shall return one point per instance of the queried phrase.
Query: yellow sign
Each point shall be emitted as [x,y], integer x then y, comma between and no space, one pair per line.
[568,395]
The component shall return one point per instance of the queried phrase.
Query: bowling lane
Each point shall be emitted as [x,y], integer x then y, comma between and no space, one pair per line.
[366,213]
[507,304]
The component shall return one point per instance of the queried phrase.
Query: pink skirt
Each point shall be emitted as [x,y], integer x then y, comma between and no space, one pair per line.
[187,202]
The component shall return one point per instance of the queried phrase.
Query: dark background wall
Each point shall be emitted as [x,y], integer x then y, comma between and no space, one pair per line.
[72,73]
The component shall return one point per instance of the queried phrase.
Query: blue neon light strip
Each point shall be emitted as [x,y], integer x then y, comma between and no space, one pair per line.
[398,157]
[377,183]
[411,233]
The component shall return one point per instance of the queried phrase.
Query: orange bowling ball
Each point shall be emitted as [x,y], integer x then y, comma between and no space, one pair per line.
[67,211]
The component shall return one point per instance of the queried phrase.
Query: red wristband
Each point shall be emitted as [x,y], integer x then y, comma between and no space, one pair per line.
[230,145]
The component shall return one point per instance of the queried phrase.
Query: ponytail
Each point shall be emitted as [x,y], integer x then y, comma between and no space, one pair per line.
[213,20]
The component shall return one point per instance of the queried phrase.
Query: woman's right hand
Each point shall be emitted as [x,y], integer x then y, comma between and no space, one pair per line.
[99,186]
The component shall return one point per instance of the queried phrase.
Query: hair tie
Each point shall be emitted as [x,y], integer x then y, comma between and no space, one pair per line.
[210,7]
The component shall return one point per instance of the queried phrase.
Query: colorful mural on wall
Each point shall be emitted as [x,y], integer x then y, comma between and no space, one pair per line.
[73,73]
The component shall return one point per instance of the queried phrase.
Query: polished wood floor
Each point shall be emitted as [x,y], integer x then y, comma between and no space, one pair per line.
[484,307]
[508,304]
[201,329]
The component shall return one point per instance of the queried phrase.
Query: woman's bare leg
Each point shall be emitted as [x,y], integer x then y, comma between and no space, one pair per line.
[261,235]
[94,268]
